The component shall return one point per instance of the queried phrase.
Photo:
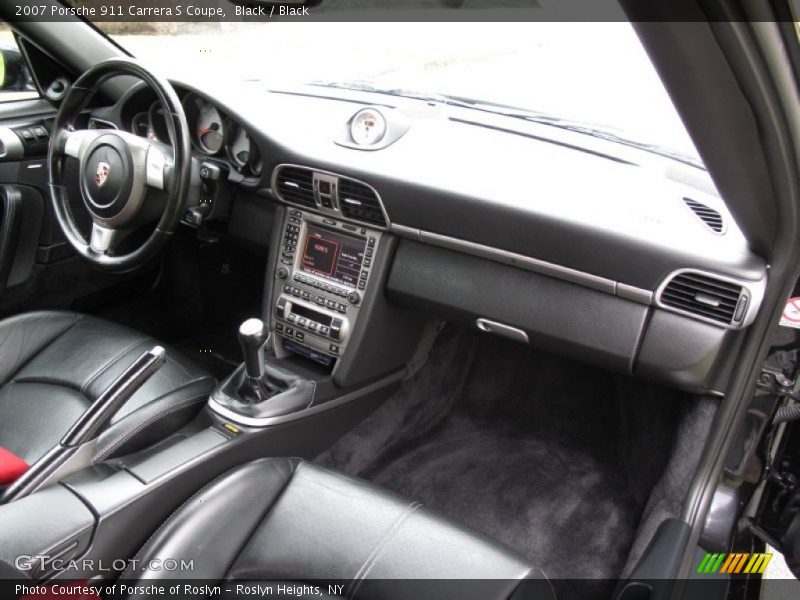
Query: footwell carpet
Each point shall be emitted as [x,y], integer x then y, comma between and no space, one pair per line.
[549,457]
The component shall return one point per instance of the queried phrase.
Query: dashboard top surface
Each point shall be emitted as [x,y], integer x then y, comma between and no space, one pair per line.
[559,196]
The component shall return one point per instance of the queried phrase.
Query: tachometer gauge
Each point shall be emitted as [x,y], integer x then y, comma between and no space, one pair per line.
[367,127]
[209,130]
[239,147]
[206,123]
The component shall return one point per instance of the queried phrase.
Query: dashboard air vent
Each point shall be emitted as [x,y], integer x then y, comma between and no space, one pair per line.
[708,215]
[296,185]
[704,296]
[360,202]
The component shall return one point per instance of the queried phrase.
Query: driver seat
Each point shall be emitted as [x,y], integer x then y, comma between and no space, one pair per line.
[54,364]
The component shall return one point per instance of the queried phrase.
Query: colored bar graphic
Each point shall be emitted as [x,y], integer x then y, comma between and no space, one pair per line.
[734,563]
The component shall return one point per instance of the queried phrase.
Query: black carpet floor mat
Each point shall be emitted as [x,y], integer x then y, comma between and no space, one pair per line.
[552,458]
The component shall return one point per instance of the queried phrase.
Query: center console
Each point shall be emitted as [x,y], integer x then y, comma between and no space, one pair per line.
[332,349]
[322,274]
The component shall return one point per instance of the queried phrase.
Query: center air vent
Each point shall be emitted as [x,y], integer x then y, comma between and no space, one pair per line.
[706,297]
[359,201]
[708,215]
[329,193]
[296,185]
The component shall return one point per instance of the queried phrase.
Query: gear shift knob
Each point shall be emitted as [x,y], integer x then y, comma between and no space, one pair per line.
[252,335]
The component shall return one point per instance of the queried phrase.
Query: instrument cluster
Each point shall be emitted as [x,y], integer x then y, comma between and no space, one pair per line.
[213,133]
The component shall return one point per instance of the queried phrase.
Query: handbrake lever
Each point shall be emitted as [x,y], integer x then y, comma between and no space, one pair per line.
[76,448]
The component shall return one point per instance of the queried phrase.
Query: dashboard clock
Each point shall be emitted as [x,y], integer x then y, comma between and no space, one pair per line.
[368,127]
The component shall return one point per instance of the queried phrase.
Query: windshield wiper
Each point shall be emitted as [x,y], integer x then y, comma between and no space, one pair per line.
[542,118]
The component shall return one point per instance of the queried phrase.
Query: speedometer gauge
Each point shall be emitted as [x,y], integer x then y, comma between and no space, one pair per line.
[367,127]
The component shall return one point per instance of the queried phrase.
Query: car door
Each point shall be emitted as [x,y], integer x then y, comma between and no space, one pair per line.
[776,518]
[38,268]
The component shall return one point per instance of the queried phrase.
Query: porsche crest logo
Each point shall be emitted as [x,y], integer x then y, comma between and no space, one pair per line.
[101,175]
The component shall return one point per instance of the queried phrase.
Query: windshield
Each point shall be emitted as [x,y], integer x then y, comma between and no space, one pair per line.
[595,74]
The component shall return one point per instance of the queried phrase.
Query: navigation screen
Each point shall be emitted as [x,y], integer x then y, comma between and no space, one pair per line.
[333,256]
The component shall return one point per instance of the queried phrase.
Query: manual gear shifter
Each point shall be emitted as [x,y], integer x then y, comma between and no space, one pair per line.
[252,335]
[264,387]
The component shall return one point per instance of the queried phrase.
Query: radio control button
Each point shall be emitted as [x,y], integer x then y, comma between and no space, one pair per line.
[341,308]
[302,321]
[291,318]
[279,327]
[290,331]
[320,300]
[323,330]
[282,273]
[354,298]
[336,328]
[306,295]
[300,335]
[334,349]
[312,325]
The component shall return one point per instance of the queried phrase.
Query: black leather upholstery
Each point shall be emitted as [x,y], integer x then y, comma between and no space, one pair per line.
[55,364]
[286,520]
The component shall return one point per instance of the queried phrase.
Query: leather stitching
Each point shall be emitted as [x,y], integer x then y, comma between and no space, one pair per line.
[137,556]
[107,365]
[77,318]
[293,468]
[376,553]
[113,445]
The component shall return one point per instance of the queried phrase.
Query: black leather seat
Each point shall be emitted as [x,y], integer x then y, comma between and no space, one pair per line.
[282,520]
[54,364]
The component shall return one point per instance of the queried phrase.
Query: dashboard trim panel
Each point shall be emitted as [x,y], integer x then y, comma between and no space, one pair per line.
[528,263]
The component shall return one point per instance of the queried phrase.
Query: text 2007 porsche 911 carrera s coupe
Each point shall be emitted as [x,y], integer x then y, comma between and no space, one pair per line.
[321,306]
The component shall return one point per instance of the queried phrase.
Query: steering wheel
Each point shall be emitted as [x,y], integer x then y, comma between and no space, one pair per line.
[117,169]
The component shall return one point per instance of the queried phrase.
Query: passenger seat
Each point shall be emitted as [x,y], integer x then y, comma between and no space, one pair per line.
[284,521]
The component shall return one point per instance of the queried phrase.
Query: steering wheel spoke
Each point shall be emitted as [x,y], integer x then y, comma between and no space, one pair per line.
[78,141]
[103,239]
[157,163]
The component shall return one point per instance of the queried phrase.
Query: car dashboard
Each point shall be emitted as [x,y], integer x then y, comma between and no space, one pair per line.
[578,245]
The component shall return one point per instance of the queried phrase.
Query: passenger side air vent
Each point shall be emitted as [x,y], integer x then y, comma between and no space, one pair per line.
[296,185]
[360,202]
[708,215]
[706,297]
